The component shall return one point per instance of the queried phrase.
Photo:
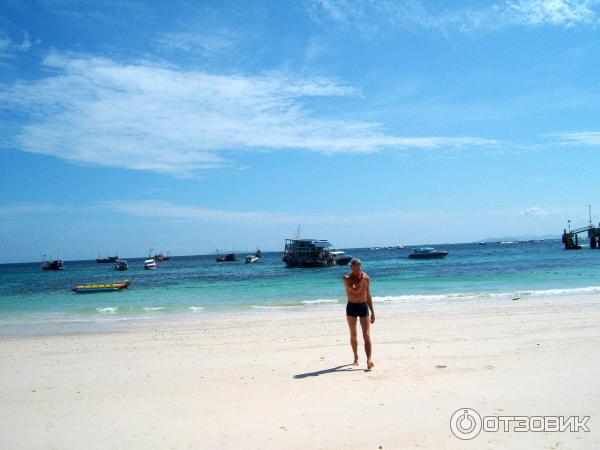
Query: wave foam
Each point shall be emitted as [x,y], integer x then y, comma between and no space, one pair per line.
[565,292]
[320,301]
[153,308]
[108,310]
[196,308]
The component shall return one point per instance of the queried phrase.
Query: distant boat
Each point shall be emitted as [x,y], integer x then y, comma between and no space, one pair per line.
[250,259]
[150,264]
[483,243]
[57,264]
[427,253]
[108,259]
[121,264]
[258,253]
[160,257]
[107,287]
[228,257]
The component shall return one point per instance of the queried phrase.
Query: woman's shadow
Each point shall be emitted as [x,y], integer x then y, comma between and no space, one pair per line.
[344,368]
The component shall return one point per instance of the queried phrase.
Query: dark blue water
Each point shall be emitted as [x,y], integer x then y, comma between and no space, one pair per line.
[199,285]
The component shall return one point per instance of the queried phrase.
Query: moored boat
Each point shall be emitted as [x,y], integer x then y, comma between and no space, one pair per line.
[121,264]
[427,253]
[108,259]
[228,257]
[160,257]
[105,287]
[150,264]
[56,264]
[307,253]
[250,259]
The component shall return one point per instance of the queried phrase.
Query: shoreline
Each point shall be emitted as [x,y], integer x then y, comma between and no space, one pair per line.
[113,320]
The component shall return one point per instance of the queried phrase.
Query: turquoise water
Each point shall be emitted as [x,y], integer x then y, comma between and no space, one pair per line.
[199,285]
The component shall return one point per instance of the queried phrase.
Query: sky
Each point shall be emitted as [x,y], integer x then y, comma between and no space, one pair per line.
[190,126]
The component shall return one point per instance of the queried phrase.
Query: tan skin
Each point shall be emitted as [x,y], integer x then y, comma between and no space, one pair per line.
[358,290]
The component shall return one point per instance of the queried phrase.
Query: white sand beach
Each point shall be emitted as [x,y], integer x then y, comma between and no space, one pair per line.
[280,379]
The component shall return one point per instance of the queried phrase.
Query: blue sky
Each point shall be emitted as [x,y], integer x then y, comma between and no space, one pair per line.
[191,126]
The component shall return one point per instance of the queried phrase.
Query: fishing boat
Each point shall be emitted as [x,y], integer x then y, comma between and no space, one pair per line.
[105,287]
[427,253]
[57,264]
[250,259]
[150,264]
[308,253]
[121,264]
[108,259]
[228,257]
[160,257]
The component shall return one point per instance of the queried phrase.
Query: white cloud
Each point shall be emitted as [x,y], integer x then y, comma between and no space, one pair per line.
[9,48]
[205,44]
[370,17]
[536,211]
[143,116]
[577,137]
[567,13]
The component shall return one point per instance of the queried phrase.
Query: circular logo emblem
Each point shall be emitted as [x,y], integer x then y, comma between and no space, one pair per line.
[465,423]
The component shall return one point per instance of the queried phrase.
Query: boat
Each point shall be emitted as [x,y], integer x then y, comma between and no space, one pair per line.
[121,264]
[228,257]
[160,257]
[341,257]
[307,253]
[108,259]
[250,259]
[105,287]
[150,264]
[57,264]
[258,253]
[427,253]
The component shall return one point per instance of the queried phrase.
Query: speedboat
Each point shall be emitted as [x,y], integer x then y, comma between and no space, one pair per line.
[341,257]
[106,287]
[150,264]
[250,259]
[121,264]
[427,253]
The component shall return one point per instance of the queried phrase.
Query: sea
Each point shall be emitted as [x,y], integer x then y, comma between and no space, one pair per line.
[34,301]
